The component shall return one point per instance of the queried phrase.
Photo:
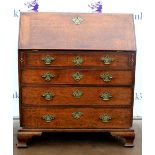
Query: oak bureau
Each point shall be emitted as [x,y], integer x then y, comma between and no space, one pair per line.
[76,74]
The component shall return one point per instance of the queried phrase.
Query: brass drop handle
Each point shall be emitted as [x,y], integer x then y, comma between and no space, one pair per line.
[48,96]
[106,77]
[47,60]
[77,76]
[105,118]
[47,76]
[77,61]
[107,60]
[77,114]
[77,93]
[105,96]
[48,118]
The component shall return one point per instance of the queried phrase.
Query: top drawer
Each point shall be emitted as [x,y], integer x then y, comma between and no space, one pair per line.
[82,59]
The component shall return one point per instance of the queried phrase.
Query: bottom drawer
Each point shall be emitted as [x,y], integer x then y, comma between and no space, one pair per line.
[76,118]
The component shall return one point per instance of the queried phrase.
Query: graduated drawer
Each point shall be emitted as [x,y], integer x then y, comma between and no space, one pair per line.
[76,118]
[76,95]
[76,76]
[102,59]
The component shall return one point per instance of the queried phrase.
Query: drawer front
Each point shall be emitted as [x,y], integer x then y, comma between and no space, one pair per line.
[80,76]
[76,95]
[76,118]
[104,59]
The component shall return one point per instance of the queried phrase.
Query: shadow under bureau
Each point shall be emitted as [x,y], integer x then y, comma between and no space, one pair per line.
[76,74]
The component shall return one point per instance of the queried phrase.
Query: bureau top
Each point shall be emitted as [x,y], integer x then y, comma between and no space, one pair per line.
[77,31]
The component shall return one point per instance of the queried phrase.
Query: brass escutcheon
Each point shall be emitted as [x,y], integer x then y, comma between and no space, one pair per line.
[106,96]
[106,77]
[77,93]
[48,118]
[47,76]
[105,118]
[48,60]
[77,61]
[77,114]
[77,20]
[77,76]
[107,60]
[48,96]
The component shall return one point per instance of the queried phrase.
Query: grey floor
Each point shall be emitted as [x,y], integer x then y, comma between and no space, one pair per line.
[79,143]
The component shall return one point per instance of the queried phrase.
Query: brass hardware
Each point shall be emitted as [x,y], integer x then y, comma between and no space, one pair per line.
[106,77]
[77,76]
[106,96]
[77,20]
[77,93]
[105,118]
[48,96]
[132,59]
[48,118]
[21,60]
[48,76]
[78,61]
[48,59]
[107,60]
[77,114]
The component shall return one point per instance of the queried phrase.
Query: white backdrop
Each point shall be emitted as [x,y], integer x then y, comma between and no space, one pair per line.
[98,6]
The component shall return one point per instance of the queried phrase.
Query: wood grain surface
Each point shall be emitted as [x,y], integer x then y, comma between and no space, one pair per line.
[58,31]
[64,96]
[65,76]
[121,60]
[120,118]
